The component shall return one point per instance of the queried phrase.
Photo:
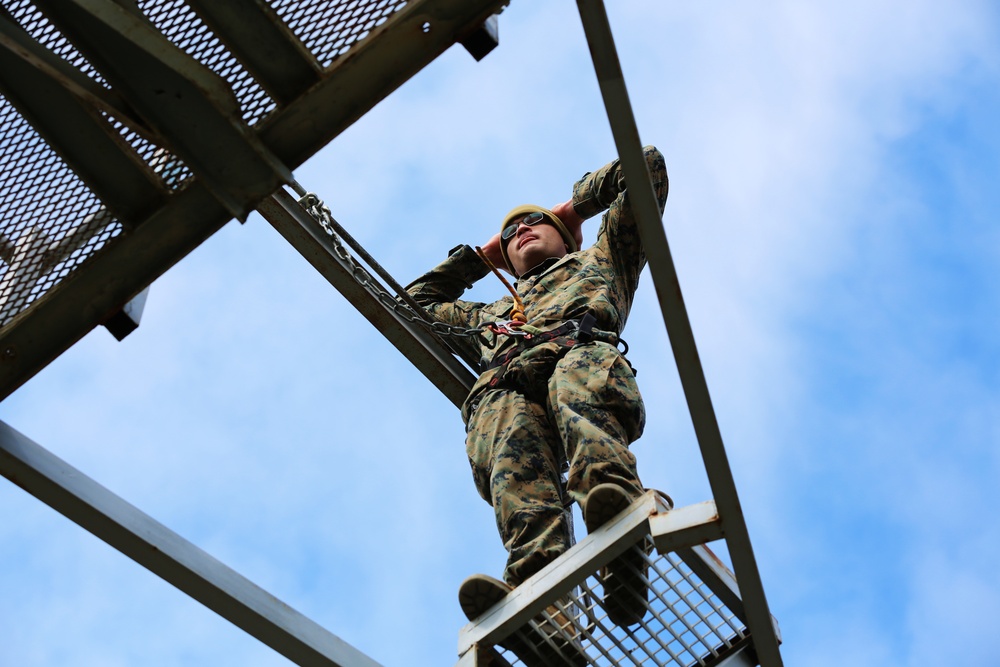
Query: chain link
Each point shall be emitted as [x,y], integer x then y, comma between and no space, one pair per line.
[322,215]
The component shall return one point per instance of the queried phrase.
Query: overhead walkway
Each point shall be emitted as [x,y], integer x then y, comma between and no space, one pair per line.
[131,131]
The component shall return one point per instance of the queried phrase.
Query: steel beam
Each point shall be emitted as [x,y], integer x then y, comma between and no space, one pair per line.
[191,108]
[350,87]
[87,298]
[740,658]
[431,358]
[710,569]
[373,68]
[126,320]
[256,35]
[171,557]
[685,527]
[707,566]
[77,132]
[88,89]
[692,376]
[671,529]
[481,41]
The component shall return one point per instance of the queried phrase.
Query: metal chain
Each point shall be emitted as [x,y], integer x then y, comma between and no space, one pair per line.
[321,214]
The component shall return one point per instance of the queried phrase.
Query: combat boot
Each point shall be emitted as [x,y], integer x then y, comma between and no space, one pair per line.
[554,642]
[626,592]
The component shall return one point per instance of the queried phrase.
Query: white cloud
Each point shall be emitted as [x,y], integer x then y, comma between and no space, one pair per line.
[255,413]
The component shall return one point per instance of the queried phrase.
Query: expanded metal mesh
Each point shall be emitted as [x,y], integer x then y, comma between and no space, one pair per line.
[330,29]
[50,222]
[181,25]
[685,624]
[43,32]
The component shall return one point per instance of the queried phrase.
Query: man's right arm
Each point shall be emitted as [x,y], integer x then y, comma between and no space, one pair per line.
[439,290]
[606,189]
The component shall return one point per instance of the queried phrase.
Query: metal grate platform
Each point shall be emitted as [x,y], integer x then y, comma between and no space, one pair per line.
[181,25]
[132,131]
[686,624]
[693,613]
[50,221]
[329,29]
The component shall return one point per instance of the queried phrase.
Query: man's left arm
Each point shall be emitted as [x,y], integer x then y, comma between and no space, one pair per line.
[439,290]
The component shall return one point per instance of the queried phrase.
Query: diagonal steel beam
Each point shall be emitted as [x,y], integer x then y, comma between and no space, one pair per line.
[265,46]
[189,106]
[98,154]
[431,358]
[171,557]
[692,376]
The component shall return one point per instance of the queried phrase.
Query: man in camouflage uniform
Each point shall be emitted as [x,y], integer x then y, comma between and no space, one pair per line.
[544,404]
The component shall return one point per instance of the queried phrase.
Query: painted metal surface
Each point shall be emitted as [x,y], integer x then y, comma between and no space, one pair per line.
[112,278]
[168,555]
[686,526]
[425,352]
[269,50]
[164,190]
[127,320]
[124,183]
[692,376]
[356,72]
[191,108]
[561,612]
[560,576]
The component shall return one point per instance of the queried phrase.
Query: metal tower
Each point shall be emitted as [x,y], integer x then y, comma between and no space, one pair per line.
[152,123]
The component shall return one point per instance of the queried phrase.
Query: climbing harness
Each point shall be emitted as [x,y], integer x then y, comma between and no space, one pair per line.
[566,335]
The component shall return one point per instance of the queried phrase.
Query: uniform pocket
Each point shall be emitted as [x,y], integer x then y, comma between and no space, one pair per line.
[530,371]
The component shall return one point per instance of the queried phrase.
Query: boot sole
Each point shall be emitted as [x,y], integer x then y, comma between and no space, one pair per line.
[478,594]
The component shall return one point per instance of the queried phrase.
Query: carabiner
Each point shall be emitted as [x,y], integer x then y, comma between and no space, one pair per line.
[508,328]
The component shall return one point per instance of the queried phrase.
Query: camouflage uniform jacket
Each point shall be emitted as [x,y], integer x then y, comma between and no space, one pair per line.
[601,279]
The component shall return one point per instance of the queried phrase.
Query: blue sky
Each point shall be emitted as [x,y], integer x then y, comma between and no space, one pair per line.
[833,217]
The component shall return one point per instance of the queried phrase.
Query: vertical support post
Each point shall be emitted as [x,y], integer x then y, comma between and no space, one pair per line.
[692,376]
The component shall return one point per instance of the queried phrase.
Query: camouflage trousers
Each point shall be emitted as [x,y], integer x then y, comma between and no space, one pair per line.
[585,414]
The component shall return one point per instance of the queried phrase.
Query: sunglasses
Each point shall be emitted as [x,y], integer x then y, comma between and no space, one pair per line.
[531,220]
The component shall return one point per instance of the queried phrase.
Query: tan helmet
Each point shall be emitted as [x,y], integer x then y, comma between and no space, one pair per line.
[551,217]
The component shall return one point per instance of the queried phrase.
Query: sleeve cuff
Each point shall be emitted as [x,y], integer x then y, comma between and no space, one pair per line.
[464,261]
[585,202]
